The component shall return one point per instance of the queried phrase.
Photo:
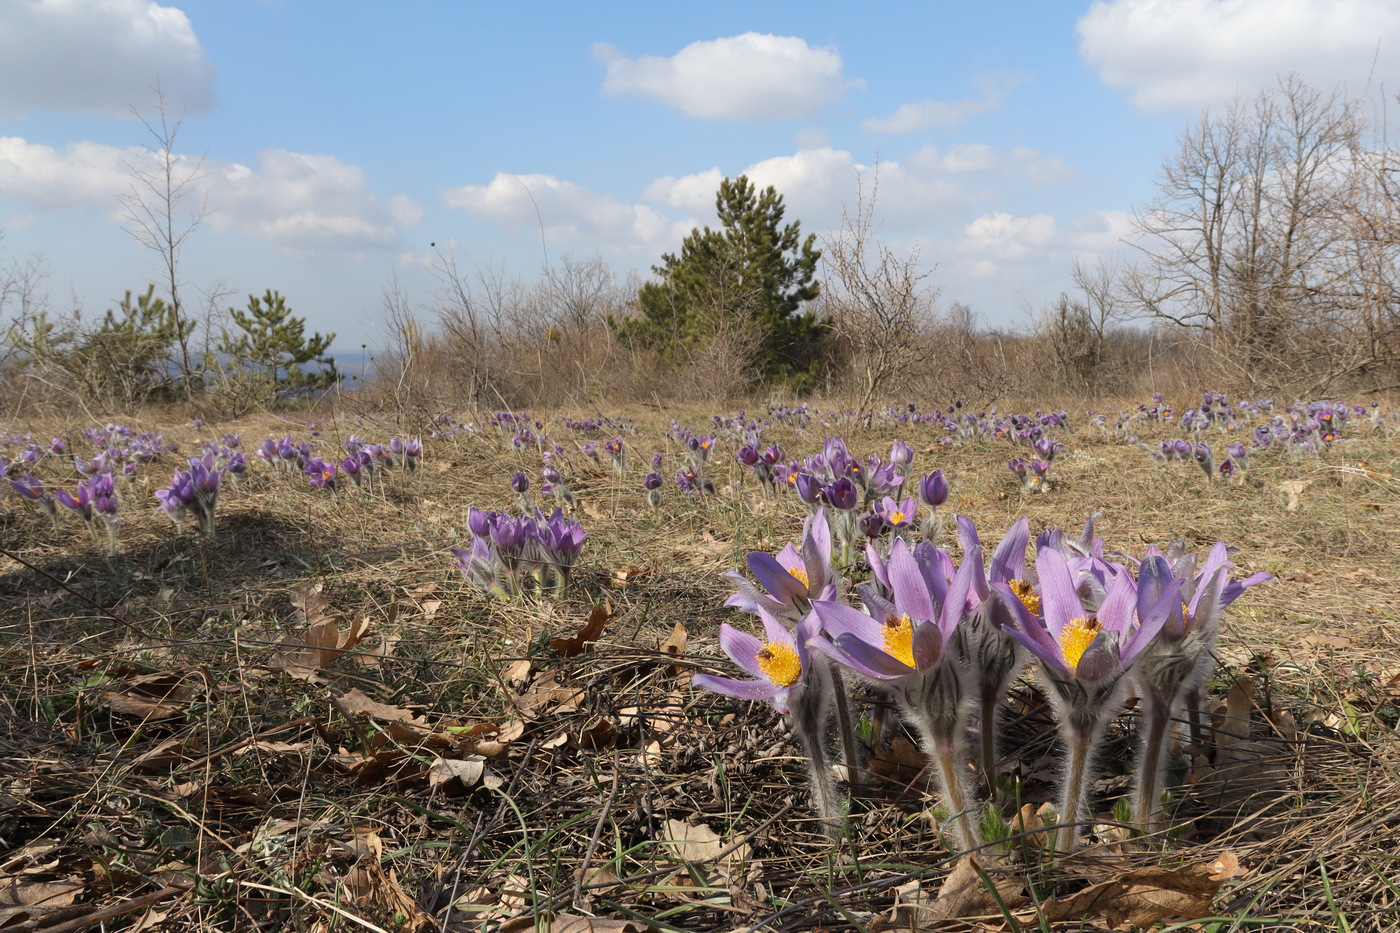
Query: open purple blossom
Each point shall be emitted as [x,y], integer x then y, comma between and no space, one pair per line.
[783,675]
[322,474]
[1085,656]
[1174,667]
[899,516]
[30,488]
[791,579]
[906,645]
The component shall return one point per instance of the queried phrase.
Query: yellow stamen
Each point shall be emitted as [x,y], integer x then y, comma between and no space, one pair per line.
[800,573]
[1076,639]
[899,638]
[1026,593]
[896,517]
[779,662]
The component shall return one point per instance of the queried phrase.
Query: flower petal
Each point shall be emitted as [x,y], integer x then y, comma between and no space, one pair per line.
[774,578]
[743,689]
[1059,599]
[742,648]
[911,593]
[1009,558]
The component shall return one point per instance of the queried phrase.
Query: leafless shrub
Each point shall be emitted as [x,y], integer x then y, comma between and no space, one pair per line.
[877,302]
[1272,235]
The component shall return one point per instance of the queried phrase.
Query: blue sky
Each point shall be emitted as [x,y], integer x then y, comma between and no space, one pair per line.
[340,139]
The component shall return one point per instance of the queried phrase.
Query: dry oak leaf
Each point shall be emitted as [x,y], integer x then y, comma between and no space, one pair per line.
[1143,897]
[148,696]
[317,646]
[963,894]
[591,631]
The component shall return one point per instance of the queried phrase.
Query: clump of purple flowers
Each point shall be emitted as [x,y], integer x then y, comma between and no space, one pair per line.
[193,492]
[508,554]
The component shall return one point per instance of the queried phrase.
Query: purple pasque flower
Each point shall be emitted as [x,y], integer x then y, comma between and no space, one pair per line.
[615,450]
[993,654]
[901,454]
[809,488]
[780,665]
[933,489]
[906,645]
[80,504]
[1085,656]
[520,482]
[480,566]
[792,578]
[561,541]
[787,677]
[880,478]
[898,515]
[354,465]
[652,484]
[322,474]
[841,494]
[29,487]
[872,526]
[1205,458]
[178,499]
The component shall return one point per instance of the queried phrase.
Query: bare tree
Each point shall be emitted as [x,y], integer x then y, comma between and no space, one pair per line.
[164,206]
[876,300]
[1265,237]
[1080,330]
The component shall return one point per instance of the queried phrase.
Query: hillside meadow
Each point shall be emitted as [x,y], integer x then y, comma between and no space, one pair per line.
[313,719]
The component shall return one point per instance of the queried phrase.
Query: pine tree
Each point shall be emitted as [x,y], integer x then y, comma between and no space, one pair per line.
[754,274]
[274,341]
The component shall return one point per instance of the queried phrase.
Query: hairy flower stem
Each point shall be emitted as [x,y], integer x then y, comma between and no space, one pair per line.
[1072,803]
[1147,804]
[1193,715]
[843,720]
[823,789]
[990,707]
[951,785]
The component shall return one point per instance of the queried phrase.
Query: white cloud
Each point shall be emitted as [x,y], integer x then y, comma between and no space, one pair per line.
[570,213]
[1000,235]
[306,202]
[101,58]
[753,77]
[929,114]
[1099,233]
[296,201]
[1041,169]
[694,192]
[1198,53]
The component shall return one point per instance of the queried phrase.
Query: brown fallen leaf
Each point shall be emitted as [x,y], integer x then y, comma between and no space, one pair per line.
[1232,728]
[317,646]
[700,843]
[547,690]
[517,673]
[356,703]
[675,645]
[1141,898]
[465,772]
[962,895]
[148,696]
[592,629]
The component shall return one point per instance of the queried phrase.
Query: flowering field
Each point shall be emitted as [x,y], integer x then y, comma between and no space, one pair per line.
[791,668]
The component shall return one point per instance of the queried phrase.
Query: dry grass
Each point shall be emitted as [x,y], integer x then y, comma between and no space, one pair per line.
[164,763]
